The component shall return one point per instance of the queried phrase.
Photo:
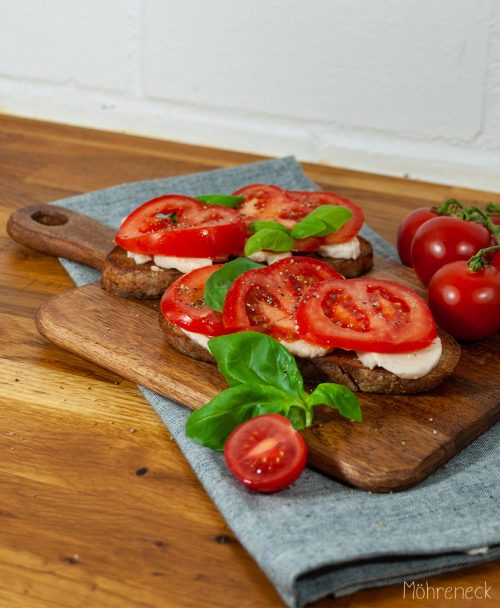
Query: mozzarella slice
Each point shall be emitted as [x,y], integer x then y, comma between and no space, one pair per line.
[350,250]
[181,264]
[304,349]
[409,366]
[139,258]
[200,339]
[269,256]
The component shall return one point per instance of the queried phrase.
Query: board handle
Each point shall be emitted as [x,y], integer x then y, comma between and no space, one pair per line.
[62,233]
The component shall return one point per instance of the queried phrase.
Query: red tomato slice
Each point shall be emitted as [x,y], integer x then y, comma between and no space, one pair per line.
[266,453]
[266,299]
[183,227]
[267,202]
[184,306]
[310,200]
[366,314]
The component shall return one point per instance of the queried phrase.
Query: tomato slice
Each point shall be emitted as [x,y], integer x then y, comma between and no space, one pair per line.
[183,227]
[266,453]
[311,200]
[268,202]
[366,314]
[266,299]
[184,306]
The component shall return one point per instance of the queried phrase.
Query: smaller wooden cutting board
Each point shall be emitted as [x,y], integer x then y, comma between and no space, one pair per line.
[402,440]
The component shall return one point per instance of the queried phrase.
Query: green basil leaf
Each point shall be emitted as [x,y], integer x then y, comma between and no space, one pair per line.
[338,397]
[211,424]
[269,240]
[322,221]
[265,224]
[252,357]
[221,199]
[300,417]
[221,280]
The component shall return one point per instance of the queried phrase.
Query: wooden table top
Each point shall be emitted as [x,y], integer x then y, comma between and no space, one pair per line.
[80,525]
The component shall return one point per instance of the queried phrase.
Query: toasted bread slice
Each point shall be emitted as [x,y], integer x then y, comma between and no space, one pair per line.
[342,367]
[350,268]
[123,277]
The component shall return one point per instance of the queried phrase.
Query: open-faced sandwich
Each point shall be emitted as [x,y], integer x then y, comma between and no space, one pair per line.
[174,234]
[371,335]
[319,224]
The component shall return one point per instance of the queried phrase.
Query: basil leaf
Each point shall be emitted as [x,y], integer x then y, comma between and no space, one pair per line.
[270,240]
[338,397]
[221,199]
[221,280]
[211,424]
[322,221]
[300,417]
[263,224]
[252,357]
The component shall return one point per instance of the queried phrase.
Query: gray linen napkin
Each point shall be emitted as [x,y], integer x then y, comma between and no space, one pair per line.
[321,537]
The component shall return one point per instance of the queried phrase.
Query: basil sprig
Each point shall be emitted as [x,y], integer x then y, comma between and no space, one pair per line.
[263,378]
[221,199]
[270,240]
[221,280]
[274,236]
[322,221]
[267,225]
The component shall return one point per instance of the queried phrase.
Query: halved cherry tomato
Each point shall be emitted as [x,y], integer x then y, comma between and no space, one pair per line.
[410,224]
[268,202]
[183,227]
[466,304]
[266,453]
[183,304]
[266,299]
[442,240]
[366,314]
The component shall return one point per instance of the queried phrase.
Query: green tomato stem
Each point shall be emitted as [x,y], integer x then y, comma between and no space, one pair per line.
[478,261]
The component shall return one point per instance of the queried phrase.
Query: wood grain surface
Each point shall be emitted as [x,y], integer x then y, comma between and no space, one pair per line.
[79,526]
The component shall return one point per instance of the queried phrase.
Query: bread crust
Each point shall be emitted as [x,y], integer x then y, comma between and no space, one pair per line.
[350,268]
[123,277]
[342,367]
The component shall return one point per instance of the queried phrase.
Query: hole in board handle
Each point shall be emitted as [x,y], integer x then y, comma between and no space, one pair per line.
[49,219]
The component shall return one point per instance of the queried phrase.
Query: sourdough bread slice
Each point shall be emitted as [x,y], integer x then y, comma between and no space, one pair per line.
[342,367]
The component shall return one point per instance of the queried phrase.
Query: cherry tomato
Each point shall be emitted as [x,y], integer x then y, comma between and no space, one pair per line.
[466,304]
[407,230]
[183,227]
[289,207]
[183,304]
[266,453]
[366,314]
[266,299]
[442,240]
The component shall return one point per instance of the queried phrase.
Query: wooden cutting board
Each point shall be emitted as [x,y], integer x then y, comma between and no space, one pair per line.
[403,438]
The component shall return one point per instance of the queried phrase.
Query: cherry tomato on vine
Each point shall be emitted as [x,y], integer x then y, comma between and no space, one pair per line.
[464,303]
[407,229]
[266,453]
[442,240]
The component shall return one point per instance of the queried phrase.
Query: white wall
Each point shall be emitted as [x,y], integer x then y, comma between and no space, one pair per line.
[391,86]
